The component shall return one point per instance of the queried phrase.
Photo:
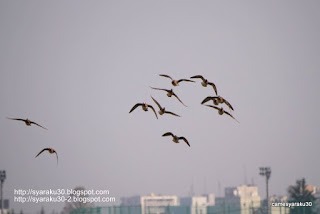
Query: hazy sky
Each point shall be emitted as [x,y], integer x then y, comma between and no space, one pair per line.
[78,67]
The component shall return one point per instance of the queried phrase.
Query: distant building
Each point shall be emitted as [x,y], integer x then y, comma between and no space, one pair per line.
[158,204]
[130,201]
[274,200]
[316,193]
[151,204]
[317,201]
[243,199]
[210,199]
[5,206]
[196,204]
[128,205]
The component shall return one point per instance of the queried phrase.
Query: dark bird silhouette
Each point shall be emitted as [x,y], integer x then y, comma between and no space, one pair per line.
[221,111]
[50,150]
[163,110]
[144,106]
[175,82]
[205,83]
[170,93]
[27,122]
[217,100]
[175,138]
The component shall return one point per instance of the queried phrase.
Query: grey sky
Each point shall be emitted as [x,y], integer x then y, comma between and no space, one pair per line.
[77,68]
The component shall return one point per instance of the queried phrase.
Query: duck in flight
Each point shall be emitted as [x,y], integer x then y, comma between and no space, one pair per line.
[175,82]
[170,93]
[205,82]
[221,111]
[217,100]
[27,122]
[50,150]
[144,106]
[163,110]
[175,138]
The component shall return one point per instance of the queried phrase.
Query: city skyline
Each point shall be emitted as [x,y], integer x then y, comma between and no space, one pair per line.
[42,196]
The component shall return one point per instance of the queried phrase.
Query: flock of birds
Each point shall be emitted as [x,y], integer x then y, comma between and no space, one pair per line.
[215,99]
[28,123]
[162,110]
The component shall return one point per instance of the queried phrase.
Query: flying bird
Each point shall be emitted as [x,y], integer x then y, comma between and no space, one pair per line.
[175,138]
[169,94]
[163,110]
[221,111]
[217,100]
[50,150]
[144,106]
[27,122]
[205,82]
[175,82]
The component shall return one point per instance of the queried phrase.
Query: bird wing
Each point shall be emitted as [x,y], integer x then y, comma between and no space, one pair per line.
[179,99]
[207,99]
[150,106]
[212,106]
[186,80]
[135,106]
[231,116]
[42,151]
[228,104]
[164,75]
[214,87]
[38,125]
[56,156]
[197,76]
[167,134]
[169,112]
[185,140]
[156,103]
[159,89]
[16,119]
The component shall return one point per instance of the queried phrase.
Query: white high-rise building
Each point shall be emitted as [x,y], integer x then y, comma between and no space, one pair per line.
[151,204]
[240,200]
[197,204]
[157,204]
[211,201]
[278,209]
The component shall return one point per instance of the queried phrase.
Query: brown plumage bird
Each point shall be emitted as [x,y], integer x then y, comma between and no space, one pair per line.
[217,100]
[144,106]
[170,93]
[163,110]
[175,138]
[221,111]
[175,82]
[205,83]
[50,150]
[27,122]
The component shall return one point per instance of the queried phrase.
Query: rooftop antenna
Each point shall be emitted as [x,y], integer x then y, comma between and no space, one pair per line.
[204,185]
[245,174]
[219,189]
[191,193]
